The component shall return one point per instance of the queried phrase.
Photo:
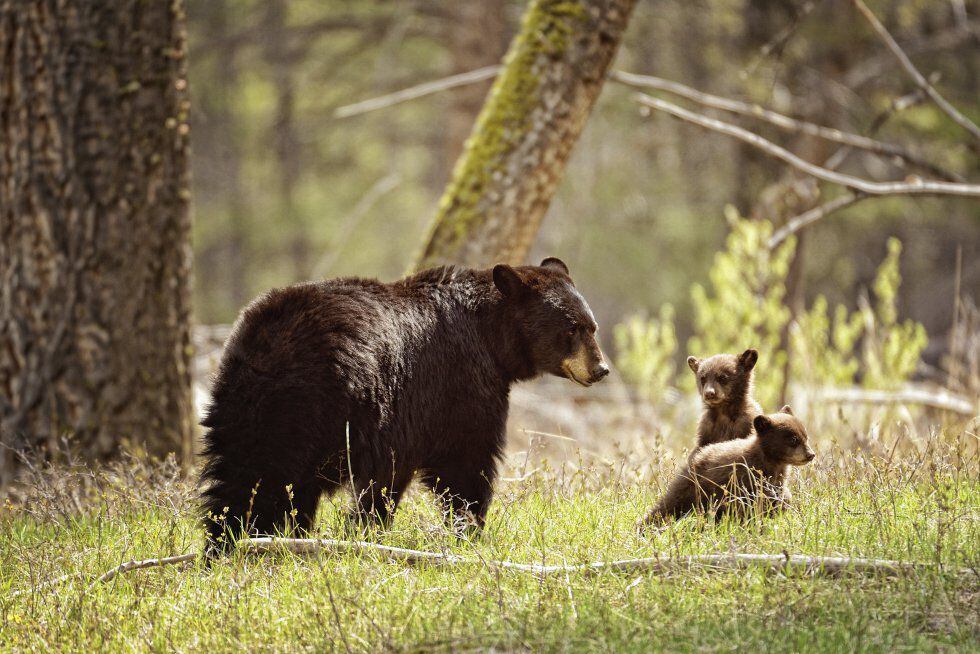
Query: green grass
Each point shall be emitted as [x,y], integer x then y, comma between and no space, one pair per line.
[914,507]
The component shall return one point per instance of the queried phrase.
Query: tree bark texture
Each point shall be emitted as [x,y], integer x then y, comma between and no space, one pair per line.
[514,159]
[94,227]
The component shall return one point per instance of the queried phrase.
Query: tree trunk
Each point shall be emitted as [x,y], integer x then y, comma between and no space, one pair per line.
[515,157]
[94,227]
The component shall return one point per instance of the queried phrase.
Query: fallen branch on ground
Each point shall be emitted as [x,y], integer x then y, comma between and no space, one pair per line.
[814,565]
[935,399]
[832,566]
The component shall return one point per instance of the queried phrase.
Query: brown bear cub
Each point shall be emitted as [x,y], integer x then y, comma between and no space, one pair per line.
[725,385]
[737,476]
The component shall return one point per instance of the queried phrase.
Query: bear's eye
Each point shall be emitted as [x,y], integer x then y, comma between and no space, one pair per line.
[793,441]
[722,379]
[704,378]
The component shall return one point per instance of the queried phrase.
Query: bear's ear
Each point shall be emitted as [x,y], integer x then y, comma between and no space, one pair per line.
[762,424]
[555,263]
[693,363]
[747,359]
[787,409]
[506,279]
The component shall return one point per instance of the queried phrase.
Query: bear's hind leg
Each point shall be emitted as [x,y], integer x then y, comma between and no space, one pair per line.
[375,502]
[465,494]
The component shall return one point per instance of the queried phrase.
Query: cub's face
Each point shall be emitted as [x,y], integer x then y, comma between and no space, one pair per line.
[784,438]
[720,376]
[555,321]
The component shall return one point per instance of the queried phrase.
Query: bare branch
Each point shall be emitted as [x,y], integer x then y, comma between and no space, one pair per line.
[815,565]
[797,223]
[941,399]
[138,565]
[782,121]
[418,91]
[333,251]
[810,565]
[917,187]
[875,67]
[914,73]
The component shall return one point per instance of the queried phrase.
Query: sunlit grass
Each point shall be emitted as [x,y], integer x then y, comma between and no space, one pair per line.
[920,506]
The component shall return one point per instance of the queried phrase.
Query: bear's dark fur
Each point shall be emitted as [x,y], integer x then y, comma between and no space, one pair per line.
[358,384]
[738,475]
[725,385]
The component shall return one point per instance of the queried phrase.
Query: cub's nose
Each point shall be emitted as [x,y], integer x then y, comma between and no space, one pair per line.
[710,393]
[599,372]
[810,456]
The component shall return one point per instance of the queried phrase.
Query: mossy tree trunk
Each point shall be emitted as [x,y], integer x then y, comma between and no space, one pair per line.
[94,227]
[514,159]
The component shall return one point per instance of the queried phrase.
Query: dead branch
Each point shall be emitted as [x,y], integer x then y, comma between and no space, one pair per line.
[417,91]
[799,564]
[917,187]
[797,223]
[782,121]
[138,565]
[914,73]
[814,565]
[941,399]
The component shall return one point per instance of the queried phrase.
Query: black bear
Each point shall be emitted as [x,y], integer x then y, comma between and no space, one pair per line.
[737,475]
[359,384]
[725,385]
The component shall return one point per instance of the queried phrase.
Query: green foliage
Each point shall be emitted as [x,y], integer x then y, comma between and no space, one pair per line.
[892,349]
[645,352]
[823,349]
[744,306]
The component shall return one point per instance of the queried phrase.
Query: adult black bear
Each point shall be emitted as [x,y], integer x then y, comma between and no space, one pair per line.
[354,383]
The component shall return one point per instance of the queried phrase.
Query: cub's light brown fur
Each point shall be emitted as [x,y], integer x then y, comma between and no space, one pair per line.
[735,476]
[725,385]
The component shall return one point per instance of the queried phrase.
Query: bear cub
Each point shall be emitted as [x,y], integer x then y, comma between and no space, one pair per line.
[736,476]
[725,385]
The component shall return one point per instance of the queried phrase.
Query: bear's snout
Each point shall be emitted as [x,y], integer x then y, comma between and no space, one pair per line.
[599,372]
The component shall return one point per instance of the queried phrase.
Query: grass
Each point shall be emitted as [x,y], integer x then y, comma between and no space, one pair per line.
[917,506]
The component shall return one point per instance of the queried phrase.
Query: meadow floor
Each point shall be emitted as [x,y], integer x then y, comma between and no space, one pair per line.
[920,506]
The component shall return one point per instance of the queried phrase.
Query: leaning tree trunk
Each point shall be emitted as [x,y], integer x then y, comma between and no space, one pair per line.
[504,181]
[94,227]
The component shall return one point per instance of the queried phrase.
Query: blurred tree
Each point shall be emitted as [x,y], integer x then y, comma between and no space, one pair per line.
[94,251]
[476,37]
[504,182]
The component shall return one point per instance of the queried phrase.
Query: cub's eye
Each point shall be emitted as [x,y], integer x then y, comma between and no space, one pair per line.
[722,379]
[704,378]
[573,330]
[793,441]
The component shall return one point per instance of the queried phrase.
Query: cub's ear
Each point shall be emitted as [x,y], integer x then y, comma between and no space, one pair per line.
[747,359]
[787,409]
[556,263]
[762,424]
[506,279]
[693,363]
